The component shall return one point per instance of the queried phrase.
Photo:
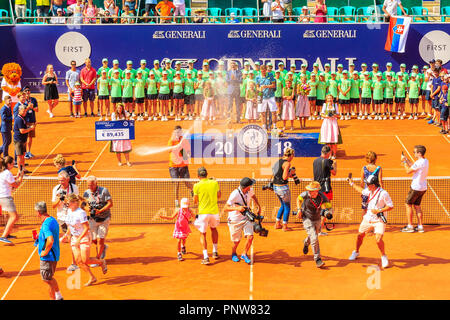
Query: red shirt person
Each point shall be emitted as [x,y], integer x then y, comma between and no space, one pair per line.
[88,78]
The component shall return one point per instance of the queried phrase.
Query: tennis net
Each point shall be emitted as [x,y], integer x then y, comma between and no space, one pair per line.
[141,201]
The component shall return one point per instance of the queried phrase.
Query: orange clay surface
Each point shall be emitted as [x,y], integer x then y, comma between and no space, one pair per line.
[142,259]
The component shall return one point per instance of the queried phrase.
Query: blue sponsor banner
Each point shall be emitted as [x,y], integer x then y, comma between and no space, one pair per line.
[229,146]
[35,46]
[114,130]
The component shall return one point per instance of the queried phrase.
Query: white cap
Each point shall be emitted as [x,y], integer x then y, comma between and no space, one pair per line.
[184,203]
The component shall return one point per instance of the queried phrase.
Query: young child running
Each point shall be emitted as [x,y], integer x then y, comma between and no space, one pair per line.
[378,88]
[413,96]
[139,94]
[288,105]
[388,95]
[251,111]
[152,97]
[400,94]
[189,96]
[208,103]
[115,84]
[77,99]
[181,230]
[103,95]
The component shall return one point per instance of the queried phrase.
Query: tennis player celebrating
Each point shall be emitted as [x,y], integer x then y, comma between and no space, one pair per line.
[378,203]
[310,205]
[78,224]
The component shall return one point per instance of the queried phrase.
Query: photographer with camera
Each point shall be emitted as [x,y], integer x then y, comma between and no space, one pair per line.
[312,205]
[240,218]
[59,202]
[378,203]
[323,167]
[100,203]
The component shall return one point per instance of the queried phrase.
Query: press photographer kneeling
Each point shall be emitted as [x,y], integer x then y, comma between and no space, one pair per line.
[241,219]
[312,205]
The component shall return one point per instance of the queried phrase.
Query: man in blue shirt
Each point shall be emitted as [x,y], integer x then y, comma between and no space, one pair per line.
[48,248]
[72,77]
[21,134]
[6,126]
[436,88]
[30,118]
[265,84]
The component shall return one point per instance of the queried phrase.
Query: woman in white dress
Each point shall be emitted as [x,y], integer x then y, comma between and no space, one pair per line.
[120,146]
[329,132]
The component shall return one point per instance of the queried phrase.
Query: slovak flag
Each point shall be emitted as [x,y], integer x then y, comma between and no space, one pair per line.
[397,34]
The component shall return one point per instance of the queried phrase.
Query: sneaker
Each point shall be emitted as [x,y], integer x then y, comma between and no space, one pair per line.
[104,267]
[183,250]
[215,255]
[94,265]
[154,118]
[369,118]
[419,229]
[180,257]
[119,164]
[92,114]
[397,117]
[71,115]
[384,262]
[191,118]
[408,229]
[305,249]
[10,236]
[341,118]
[85,114]
[353,114]
[27,155]
[4,240]
[416,118]
[313,118]
[363,118]
[391,118]
[430,122]
[129,164]
[323,233]
[309,118]
[410,117]
[402,117]
[206,261]
[375,118]
[235,258]
[319,263]
[72,268]
[103,255]
[384,118]
[246,259]
[354,255]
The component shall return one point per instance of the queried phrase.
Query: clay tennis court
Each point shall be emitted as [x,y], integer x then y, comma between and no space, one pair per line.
[142,258]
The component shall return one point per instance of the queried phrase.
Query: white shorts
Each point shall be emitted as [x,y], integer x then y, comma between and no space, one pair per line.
[378,227]
[99,230]
[180,10]
[271,103]
[206,220]
[236,229]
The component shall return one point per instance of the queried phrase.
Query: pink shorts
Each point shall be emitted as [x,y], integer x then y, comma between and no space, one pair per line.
[85,243]
[180,10]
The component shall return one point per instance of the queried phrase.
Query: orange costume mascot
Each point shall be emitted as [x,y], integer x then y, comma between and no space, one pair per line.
[12,73]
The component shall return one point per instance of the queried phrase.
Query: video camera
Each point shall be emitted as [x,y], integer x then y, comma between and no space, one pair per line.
[93,205]
[268,186]
[257,227]
[62,195]
[326,213]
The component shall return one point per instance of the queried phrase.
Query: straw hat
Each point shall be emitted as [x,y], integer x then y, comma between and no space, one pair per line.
[313,186]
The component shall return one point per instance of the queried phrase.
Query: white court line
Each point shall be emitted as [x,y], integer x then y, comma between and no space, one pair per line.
[445,138]
[431,188]
[98,157]
[18,275]
[251,274]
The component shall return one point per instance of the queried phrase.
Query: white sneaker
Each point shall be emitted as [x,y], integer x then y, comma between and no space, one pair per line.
[323,233]
[415,118]
[401,117]
[419,229]
[353,114]
[384,118]
[191,118]
[186,118]
[372,114]
[197,118]
[354,255]
[404,114]
[106,118]
[363,118]
[341,118]
[422,114]
[396,118]
[375,118]
[313,118]
[384,262]
[369,118]
[319,118]
[155,118]
[410,117]
[100,119]
[358,117]
[390,118]
[171,114]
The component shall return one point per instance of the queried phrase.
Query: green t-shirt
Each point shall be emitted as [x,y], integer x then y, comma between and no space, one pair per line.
[378,87]
[102,86]
[139,88]
[287,92]
[339,76]
[205,75]
[400,89]
[170,73]
[421,78]
[354,91]
[242,88]
[164,86]
[116,87]
[385,73]
[188,86]
[313,86]
[145,73]
[361,75]
[389,89]
[251,93]
[373,75]
[182,73]
[307,73]
[333,87]
[194,73]
[200,84]
[413,89]
[99,71]
[111,73]
[279,87]
[327,76]
[321,90]
[152,87]
[178,85]
[366,91]
[158,73]
[133,73]
[127,87]
[344,84]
